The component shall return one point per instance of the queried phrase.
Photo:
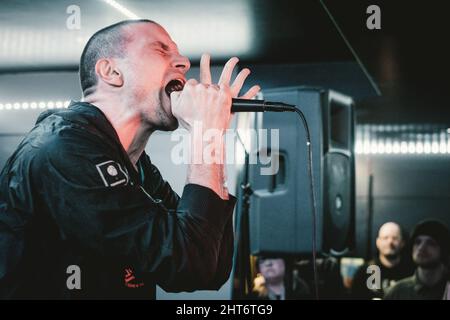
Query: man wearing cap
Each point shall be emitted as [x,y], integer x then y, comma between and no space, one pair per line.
[430,252]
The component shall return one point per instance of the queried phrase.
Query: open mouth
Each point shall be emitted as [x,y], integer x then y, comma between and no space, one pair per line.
[174,85]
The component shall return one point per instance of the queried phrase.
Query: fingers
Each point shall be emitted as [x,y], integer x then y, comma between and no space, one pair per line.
[213,87]
[205,71]
[239,82]
[191,82]
[174,96]
[225,77]
[225,90]
[251,93]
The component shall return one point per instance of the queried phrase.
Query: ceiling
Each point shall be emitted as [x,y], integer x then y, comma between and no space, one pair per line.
[35,35]
[407,59]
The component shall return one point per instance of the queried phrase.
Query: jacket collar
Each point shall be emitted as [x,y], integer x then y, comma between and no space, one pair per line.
[97,118]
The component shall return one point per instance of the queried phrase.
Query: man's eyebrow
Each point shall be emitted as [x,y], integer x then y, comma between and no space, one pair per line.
[160,44]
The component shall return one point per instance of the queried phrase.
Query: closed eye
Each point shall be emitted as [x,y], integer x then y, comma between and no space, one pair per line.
[160,47]
[161,51]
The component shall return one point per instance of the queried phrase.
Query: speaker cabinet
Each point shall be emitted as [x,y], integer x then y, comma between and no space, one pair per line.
[281,212]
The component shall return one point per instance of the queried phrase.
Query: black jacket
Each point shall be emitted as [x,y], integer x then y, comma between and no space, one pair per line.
[69,195]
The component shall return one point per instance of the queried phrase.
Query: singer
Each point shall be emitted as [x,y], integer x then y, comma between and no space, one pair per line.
[83,211]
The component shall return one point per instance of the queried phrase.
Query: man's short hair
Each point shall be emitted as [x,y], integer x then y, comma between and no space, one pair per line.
[109,42]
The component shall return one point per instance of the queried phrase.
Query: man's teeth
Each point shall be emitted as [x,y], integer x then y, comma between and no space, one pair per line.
[174,85]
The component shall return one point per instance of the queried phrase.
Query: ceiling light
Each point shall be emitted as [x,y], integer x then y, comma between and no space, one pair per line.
[126,12]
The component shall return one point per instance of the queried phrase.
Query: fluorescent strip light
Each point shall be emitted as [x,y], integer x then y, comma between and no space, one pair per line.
[403,148]
[411,139]
[122,9]
[196,30]
[33,105]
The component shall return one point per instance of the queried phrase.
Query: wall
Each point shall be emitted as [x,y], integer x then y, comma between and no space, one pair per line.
[406,189]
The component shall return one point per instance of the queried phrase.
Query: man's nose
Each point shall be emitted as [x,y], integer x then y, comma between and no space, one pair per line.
[421,246]
[182,63]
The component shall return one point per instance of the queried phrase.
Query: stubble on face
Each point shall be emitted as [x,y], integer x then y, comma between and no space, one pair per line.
[168,121]
[426,252]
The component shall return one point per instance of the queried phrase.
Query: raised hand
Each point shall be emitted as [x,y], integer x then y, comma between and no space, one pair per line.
[210,103]
[225,78]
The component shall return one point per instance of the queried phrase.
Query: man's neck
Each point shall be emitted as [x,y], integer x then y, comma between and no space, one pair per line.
[389,262]
[431,276]
[138,143]
[133,133]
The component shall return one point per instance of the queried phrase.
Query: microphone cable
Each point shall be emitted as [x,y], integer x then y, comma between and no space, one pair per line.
[312,199]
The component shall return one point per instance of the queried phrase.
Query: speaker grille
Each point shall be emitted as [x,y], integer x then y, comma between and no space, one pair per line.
[337,200]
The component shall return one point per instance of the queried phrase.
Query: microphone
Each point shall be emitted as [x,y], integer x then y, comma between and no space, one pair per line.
[247,105]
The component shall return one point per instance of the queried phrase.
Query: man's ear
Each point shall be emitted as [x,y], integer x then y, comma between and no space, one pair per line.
[377,243]
[108,71]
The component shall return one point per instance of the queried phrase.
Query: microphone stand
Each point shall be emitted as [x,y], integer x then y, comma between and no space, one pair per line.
[242,246]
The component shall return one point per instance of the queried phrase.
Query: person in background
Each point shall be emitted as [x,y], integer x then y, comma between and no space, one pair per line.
[392,265]
[447,291]
[274,282]
[430,253]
